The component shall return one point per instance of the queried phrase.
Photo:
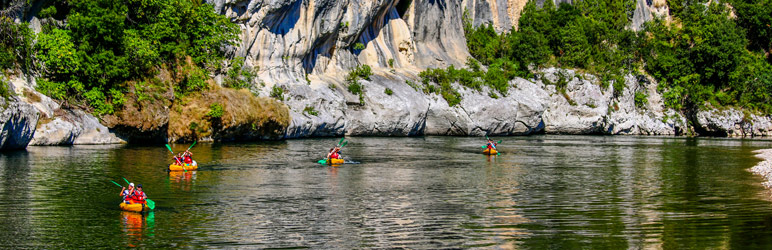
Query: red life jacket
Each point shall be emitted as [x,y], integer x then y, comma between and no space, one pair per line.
[138,197]
[187,159]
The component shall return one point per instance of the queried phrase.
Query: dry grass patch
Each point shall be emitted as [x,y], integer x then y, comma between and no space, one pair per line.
[223,114]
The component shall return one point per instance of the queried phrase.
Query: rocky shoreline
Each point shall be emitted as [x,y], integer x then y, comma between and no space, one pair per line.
[531,106]
[764,168]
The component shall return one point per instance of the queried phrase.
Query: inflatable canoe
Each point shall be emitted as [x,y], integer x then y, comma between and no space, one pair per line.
[134,207]
[490,151]
[332,161]
[188,167]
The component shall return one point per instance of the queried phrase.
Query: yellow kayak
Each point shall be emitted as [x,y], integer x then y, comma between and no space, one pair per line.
[134,207]
[490,151]
[188,167]
[335,161]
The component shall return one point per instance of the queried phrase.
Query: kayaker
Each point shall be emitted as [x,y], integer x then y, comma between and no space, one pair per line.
[187,157]
[127,193]
[139,196]
[491,144]
[333,154]
[177,160]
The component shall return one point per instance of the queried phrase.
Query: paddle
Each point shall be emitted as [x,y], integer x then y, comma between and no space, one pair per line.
[191,145]
[150,203]
[183,165]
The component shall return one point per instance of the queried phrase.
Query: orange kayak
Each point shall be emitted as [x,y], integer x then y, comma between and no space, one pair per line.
[188,167]
[490,151]
[134,207]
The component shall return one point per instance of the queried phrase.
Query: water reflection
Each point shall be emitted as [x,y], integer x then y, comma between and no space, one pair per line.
[136,226]
[182,180]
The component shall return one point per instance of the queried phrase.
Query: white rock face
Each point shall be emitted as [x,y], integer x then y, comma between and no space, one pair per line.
[17,123]
[61,126]
[291,41]
[731,122]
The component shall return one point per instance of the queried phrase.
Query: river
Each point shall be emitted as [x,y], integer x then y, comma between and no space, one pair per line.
[420,192]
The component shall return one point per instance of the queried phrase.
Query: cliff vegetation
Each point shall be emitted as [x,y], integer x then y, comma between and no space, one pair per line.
[708,54]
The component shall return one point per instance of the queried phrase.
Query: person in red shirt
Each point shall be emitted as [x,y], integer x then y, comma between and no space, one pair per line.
[491,144]
[187,157]
[177,160]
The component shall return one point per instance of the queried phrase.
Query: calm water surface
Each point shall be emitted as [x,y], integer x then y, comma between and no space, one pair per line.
[435,192]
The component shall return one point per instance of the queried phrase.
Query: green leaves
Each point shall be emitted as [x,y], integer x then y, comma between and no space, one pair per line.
[704,59]
[106,44]
[58,54]
[215,111]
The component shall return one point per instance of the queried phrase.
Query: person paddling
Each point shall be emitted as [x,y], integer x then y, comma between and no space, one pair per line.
[333,154]
[127,193]
[187,157]
[491,144]
[177,160]
[139,196]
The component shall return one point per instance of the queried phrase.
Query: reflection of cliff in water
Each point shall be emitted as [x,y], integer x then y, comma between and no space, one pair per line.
[15,196]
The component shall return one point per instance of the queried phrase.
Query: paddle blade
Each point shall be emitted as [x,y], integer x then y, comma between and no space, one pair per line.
[116,183]
[482,146]
[498,142]
[127,181]
[150,204]
[323,162]
[341,140]
[169,148]
[191,145]
[344,144]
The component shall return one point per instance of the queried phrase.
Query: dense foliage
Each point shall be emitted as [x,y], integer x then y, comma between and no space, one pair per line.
[703,55]
[104,44]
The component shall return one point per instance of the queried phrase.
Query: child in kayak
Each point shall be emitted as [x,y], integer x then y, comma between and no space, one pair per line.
[127,193]
[177,160]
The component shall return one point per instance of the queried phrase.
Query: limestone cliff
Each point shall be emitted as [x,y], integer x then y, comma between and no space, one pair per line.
[308,47]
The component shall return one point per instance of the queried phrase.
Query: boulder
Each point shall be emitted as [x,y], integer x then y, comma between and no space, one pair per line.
[17,123]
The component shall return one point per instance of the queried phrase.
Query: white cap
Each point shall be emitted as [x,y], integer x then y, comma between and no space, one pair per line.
[131,184]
